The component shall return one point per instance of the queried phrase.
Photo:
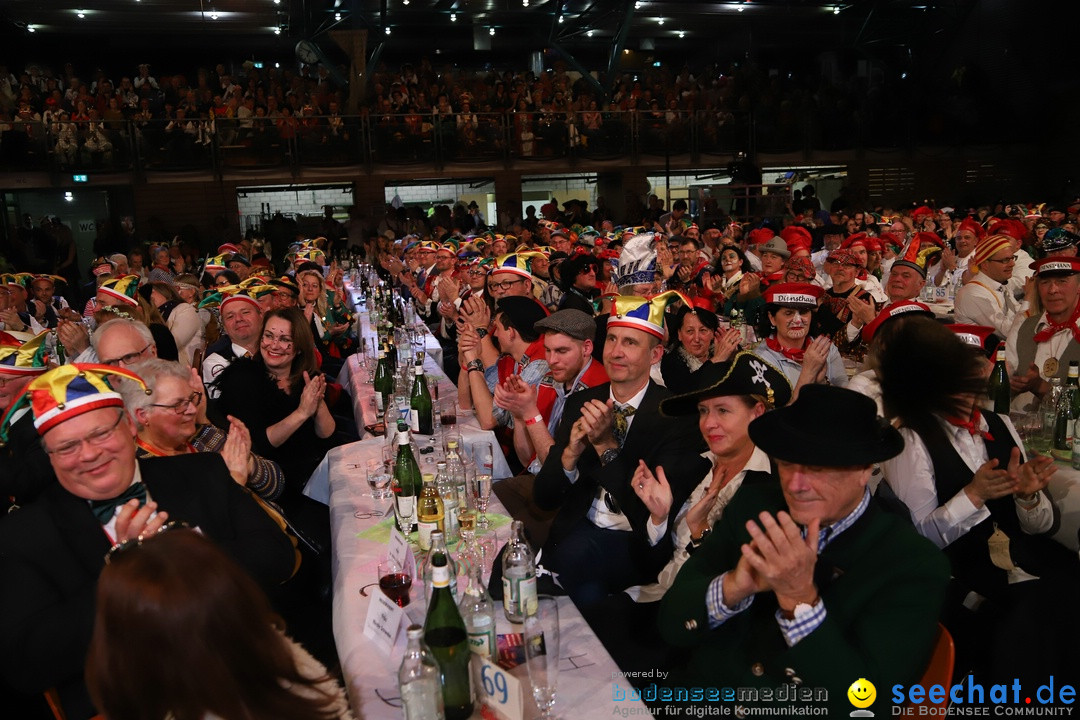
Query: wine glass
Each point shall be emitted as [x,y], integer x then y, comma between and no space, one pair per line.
[541,637]
[378,479]
[482,494]
[395,581]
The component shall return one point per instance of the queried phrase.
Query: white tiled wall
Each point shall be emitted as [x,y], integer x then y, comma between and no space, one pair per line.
[307,201]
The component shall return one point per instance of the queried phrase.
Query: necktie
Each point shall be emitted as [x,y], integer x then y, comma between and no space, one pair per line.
[621,425]
[105,509]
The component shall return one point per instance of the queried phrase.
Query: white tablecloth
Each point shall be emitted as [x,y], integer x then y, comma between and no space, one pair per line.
[586,671]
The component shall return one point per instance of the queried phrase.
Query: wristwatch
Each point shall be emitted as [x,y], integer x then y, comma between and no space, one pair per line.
[481,332]
[695,542]
[475,366]
[609,455]
[801,610]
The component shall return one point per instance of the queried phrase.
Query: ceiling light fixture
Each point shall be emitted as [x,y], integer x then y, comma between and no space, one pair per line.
[213,15]
[682,33]
[660,20]
[638,4]
[491,31]
[588,33]
[80,13]
[31,28]
[561,18]
[404,2]
[453,17]
[836,10]
[277,31]
[337,17]
[387,31]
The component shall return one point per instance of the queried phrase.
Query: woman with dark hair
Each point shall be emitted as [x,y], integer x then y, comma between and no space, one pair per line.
[964,478]
[578,279]
[278,394]
[730,267]
[209,645]
[789,310]
[226,278]
[696,342]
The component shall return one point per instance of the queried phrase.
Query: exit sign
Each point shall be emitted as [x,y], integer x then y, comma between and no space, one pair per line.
[79,178]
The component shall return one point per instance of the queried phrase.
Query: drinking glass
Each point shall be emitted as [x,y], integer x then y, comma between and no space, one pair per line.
[482,494]
[448,412]
[541,637]
[484,458]
[488,543]
[378,479]
[394,581]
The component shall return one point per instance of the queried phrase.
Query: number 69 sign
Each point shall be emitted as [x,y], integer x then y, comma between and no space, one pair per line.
[500,691]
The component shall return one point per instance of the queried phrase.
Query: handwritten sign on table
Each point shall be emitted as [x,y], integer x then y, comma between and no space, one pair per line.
[383,621]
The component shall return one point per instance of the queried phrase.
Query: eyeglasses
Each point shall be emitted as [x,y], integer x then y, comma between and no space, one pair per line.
[1003,261]
[136,542]
[180,406]
[505,285]
[94,438]
[268,338]
[477,273]
[129,358]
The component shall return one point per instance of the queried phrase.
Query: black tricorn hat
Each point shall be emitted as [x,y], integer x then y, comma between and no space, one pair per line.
[829,427]
[744,374]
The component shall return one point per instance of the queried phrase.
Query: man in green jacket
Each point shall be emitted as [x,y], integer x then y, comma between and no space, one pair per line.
[806,586]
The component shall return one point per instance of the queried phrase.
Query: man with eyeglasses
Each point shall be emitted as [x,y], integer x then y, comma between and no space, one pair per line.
[986,299]
[122,343]
[52,551]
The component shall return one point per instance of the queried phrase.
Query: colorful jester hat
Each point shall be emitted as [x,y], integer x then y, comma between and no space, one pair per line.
[68,391]
[517,263]
[645,314]
[23,358]
[125,288]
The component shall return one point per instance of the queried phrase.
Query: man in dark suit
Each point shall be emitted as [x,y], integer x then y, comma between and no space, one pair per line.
[24,467]
[52,551]
[602,540]
[808,581]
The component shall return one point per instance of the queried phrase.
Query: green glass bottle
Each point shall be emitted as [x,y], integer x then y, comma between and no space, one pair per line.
[444,633]
[383,383]
[406,482]
[998,389]
[421,416]
[1067,411]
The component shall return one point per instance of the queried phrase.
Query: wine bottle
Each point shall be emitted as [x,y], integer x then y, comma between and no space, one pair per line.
[448,493]
[519,576]
[444,632]
[1067,412]
[418,679]
[421,415]
[429,512]
[998,388]
[438,548]
[383,382]
[406,483]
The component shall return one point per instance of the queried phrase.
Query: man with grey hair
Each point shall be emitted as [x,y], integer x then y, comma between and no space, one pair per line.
[123,342]
[120,262]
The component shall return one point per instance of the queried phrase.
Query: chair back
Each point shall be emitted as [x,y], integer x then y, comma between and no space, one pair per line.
[940,669]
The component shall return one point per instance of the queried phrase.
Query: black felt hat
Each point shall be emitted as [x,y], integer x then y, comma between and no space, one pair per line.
[828,427]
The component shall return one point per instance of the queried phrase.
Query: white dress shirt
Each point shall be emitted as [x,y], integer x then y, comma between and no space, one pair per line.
[911,477]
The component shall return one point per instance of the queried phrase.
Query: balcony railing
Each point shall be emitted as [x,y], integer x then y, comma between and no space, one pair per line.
[296,142]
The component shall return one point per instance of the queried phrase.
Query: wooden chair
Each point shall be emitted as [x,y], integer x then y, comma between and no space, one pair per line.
[940,669]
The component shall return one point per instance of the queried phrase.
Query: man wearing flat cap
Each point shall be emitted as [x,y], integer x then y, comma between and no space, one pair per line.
[52,550]
[807,581]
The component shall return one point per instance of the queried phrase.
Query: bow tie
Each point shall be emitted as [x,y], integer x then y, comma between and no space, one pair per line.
[104,510]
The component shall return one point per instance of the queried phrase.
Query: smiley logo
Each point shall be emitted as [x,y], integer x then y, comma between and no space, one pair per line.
[862,693]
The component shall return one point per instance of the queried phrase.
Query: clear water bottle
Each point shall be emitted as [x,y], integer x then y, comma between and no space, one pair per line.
[478,611]
[418,679]
[519,576]
[455,473]
[438,547]
[448,492]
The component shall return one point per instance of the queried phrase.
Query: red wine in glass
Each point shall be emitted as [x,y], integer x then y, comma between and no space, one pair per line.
[396,586]
[448,419]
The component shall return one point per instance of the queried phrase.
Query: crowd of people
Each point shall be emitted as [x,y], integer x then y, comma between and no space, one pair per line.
[844,489]
[174,114]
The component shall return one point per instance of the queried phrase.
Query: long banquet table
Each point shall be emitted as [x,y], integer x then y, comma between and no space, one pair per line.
[586,671]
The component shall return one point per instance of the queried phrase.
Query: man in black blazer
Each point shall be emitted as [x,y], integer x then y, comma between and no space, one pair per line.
[602,540]
[52,550]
